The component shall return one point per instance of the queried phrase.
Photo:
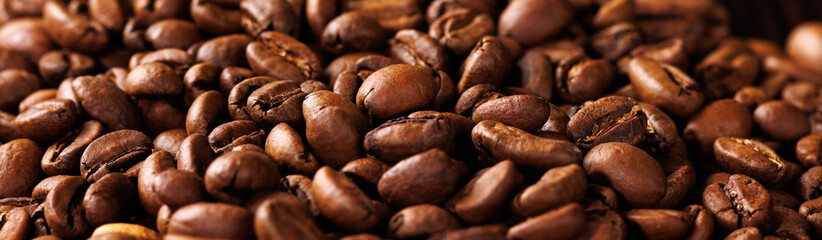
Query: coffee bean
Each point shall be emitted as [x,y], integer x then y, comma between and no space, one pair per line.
[562,223]
[231,134]
[725,70]
[18,162]
[277,15]
[64,211]
[63,157]
[498,141]
[216,17]
[557,187]
[368,170]
[194,155]
[418,49]
[420,133]
[781,120]
[154,164]
[353,31]
[233,176]
[110,199]
[286,147]
[334,127]
[428,177]
[119,151]
[489,232]
[345,205]
[525,112]
[54,66]
[282,218]
[392,16]
[198,220]
[73,31]
[578,79]
[621,166]
[15,224]
[752,158]
[276,102]
[224,51]
[126,229]
[420,221]
[487,63]
[616,40]
[720,118]
[283,57]
[300,186]
[665,86]
[739,202]
[103,101]
[609,119]
[16,85]
[205,113]
[658,223]
[47,120]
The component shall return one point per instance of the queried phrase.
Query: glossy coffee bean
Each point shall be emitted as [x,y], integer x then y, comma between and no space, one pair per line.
[18,163]
[373,95]
[233,176]
[63,209]
[428,177]
[285,218]
[283,57]
[562,223]
[103,101]
[46,120]
[665,86]
[334,127]
[739,202]
[110,199]
[286,147]
[658,223]
[498,141]
[197,220]
[525,112]
[120,151]
[418,49]
[752,158]
[553,15]
[420,221]
[557,187]
[16,85]
[345,205]
[231,134]
[781,120]
[609,119]
[720,118]
[629,170]
[487,63]
[419,133]
[55,66]
[353,31]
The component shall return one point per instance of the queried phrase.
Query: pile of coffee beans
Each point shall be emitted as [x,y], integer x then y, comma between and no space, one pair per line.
[404,119]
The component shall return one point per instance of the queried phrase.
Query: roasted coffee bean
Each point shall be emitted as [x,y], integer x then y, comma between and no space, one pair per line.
[283,57]
[234,176]
[341,202]
[393,15]
[194,155]
[681,175]
[170,140]
[552,16]
[658,223]
[788,223]
[42,189]
[125,230]
[537,73]
[15,224]
[727,69]
[751,97]
[723,118]
[231,134]
[275,103]
[809,184]
[665,86]
[64,211]
[617,40]
[557,187]
[55,66]
[578,79]
[110,199]
[562,223]
[752,158]
[154,164]
[487,232]
[781,120]
[428,177]
[153,79]
[382,94]
[300,186]
[621,166]
[605,224]
[160,115]
[420,221]
[334,127]
[63,157]
[172,33]
[103,101]
[418,49]
[176,188]
[262,15]
[703,222]
[286,147]
[20,171]
[46,120]
[224,51]
[16,85]
[499,142]
[739,202]
[459,30]
[609,119]
[525,112]
[420,133]
[487,63]
[119,151]
[205,113]
[368,170]
[199,220]
[285,217]
[353,31]
[73,31]
[216,17]
[811,211]
[33,30]
[36,97]
[808,150]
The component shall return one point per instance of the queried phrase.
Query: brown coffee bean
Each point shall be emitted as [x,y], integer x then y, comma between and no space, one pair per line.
[727,69]
[103,101]
[170,140]
[525,112]
[609,119]
[46,120]
[318,13]
[110,199]
[788,223]
[418,49]
[420,133]
[681,175]
[751,96]
[205,113]
[263,15]
[63,157]
[36,97]
[459,30]
[751,233]
[557,187]
[15,224]
[498,142]
[382,94]
[194,155]
[562,223]
[119,151]
[18,163]
[234,176]
[341,202]
[216,17]
[808,150]
[517,18]
[16,84]
[54,66]
[334,127]
[176,188]
[485,195]
[487,63]
[392,16]
[806,34]
[276,102]
[579,79]
[198,220]
[669,52]
[420,221]
[154,164]
[658,223]
[13,59]
[285,217]
[703,222]
[809,184]
[752,158]
[231,134]
[630,171]
[153,79]
[63,209]
[353,31]
[33,30]
[224,51]
[283,57]
[811,211]
[73,31]
[721,118]
[286,147]
[428,177]
[42,189]
[781,120]
[368,170]
[126,229]
[740,202]
[172,33]
[665,86]
[604,225]
[485,232]
[616,40]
